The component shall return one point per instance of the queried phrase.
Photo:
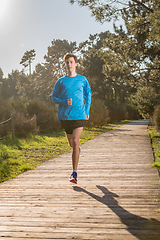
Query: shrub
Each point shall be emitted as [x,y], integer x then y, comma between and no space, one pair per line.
[117,113]
[4,164]
[29,117]
[146,100]
[5,109]
[123,112]
[19,105]
[34,107]
[47,121]
[156,116]
[24,124]
[46,115]
[4,169]
[99,114]
[5,114]
[131,112]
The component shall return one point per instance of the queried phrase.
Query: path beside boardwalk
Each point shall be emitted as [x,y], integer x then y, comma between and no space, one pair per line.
[117,196]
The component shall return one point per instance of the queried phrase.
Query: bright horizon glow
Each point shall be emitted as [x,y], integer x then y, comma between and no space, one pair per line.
[4,16]
[33,24]
[3,8]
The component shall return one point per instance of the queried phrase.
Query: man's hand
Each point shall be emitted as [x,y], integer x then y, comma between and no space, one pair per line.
[87,116]
[69,101]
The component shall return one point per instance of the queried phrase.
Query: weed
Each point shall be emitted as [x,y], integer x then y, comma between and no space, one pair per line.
[25,168]
[155,141]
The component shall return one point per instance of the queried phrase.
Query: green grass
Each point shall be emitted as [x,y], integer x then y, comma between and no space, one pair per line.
[155,141]
[24,154]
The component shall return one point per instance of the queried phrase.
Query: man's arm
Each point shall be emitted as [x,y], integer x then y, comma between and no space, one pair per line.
[55,95]
[87,98]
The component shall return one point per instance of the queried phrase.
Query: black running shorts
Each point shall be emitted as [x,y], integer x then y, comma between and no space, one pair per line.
[70,125]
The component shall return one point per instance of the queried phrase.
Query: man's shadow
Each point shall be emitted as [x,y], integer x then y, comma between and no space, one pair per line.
[142,228]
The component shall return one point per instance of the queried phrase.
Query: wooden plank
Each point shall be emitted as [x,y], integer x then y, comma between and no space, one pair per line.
[117,196]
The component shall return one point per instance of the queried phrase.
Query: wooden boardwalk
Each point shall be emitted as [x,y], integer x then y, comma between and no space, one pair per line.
[117,196]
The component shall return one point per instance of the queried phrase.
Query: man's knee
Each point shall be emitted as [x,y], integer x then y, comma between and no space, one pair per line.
[75,142]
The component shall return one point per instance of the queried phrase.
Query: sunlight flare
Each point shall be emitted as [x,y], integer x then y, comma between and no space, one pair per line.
[3,8]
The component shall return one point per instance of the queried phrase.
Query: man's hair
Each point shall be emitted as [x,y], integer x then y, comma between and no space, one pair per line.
[68,55]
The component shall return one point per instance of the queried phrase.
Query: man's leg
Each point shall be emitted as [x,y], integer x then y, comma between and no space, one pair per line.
[69,138]
[73,140]
[75,144]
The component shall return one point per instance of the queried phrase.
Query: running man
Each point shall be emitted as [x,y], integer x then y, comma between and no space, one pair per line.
[72,93]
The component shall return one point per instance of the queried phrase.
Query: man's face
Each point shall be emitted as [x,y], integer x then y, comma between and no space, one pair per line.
[70,64]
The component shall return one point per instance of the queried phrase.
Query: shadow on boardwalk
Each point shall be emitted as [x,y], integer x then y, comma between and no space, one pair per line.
[142,228]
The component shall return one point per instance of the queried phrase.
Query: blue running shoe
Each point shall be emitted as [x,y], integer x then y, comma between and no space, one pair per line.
[73,177]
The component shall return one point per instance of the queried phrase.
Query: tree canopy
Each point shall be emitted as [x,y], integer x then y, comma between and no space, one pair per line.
[27,59]
[105,10]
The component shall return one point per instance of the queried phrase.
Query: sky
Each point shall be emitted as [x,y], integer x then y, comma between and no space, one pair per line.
[33,24]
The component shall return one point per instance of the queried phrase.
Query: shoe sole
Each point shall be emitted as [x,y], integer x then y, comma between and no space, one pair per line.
[73,180]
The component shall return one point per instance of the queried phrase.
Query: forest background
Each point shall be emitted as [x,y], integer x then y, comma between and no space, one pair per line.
[123,69]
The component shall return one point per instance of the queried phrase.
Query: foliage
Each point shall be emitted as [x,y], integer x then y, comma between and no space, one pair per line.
[4,167]
[145,100]
[99,115]
[34,116]
[107,10]
[118,68]
[130,58]
[28,117]
[117,112]
[22,85]
[91,65]
[42,81]
[19,105]
[1,74]
[23,125]
[155,141]
[5,109]
[27,59]
[8,85]
[5,114]
[131,112]
[55,54]
[155,20]
[46,116]
[156,116]
[110,79]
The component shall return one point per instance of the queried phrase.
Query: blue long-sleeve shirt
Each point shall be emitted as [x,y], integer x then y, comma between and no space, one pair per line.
[79,90]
